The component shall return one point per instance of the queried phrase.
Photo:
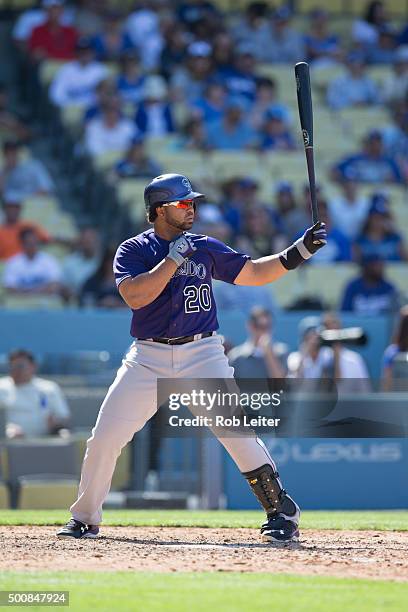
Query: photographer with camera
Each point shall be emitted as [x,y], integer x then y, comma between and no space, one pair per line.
[348,367]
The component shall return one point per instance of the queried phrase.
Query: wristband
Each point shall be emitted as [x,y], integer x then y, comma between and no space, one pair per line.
[295,255]
[176,257]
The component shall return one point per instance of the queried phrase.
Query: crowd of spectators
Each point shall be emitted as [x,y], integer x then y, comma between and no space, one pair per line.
[189,71]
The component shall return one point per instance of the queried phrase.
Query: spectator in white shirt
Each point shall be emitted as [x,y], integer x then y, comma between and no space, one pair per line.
[75,82]
[143,27]
[32,272]
[83,262]
[110,132]
[354,88]
[349,210]
[34,406]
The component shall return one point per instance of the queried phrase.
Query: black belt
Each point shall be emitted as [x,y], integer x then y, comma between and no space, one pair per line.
[181,340]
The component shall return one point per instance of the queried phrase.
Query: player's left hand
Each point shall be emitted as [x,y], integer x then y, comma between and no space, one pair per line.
[181,248]
[315,237]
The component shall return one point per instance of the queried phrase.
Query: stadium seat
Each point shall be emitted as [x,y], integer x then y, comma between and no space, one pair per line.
[326,282]
[48,70]
[357,122]
[26,302]
[107,160]
[334,6]
[72,118]
[46,494]
[130,194]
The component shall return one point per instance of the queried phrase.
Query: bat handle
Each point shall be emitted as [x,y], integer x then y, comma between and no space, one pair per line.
[312,183]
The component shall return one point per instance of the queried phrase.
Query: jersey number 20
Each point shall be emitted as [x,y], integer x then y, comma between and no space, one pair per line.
[197,298]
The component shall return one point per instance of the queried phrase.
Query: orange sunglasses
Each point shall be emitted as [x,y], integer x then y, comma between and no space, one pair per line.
[182,204]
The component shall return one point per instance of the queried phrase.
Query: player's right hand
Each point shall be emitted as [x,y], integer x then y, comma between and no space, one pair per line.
[180,249]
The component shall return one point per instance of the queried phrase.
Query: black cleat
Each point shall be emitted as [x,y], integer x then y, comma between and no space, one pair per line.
[73,529]
[279,529]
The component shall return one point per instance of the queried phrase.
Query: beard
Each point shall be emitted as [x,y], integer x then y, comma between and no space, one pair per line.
[180,225]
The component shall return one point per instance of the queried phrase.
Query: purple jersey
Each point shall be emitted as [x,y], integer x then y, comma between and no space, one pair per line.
[186,305]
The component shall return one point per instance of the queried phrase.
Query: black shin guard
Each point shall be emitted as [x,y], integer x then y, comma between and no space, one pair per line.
[266,486]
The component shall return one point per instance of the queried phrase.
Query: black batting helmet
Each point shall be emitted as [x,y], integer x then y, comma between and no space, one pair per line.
[168,188]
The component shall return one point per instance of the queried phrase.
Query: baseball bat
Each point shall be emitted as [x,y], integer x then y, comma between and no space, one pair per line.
[304,97]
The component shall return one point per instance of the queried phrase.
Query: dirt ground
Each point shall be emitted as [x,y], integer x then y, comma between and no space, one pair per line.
[360,554]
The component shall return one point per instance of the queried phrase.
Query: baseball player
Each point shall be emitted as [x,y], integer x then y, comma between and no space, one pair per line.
[165,276]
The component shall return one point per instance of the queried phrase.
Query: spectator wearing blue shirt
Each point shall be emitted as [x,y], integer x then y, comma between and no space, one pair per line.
[286,44]
[253,28]
[110,44]
[174,50]
[378,236]
[383,52]
[130,81]
[213,104]
[354,88]
[241,80]
[266,99]
[154,115]
[372,165]
[370,293]
[275,136]
[398,346]
[395,137]
[290,218]
[104,92]
[233,131]
[189,80]
[137,163]
[322,47]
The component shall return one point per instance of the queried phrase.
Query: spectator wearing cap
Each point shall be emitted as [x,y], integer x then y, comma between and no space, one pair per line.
[253,28]
[365,31]
[354,88]
[53,40]
[383,52]
[379,236]
[212,105]
[32,272]
[397,348]
[371,165]
[75,82]
[143,28]
[395,84]
[192,12]
[274,134]
[370,293]
[338,247]
[211,222]
[113,41]
[349,209]
[260,356]
[241,79]
[266,99]
[34,406]
[111,132]
[130,81]
[286,44]
[322,47]
[26,177]
[289,218]
[233,131]
[137,163]
[239,194]
[190,80]
[12,226]
[154,115]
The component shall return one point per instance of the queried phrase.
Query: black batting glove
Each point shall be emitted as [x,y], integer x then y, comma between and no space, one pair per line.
[312,240]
